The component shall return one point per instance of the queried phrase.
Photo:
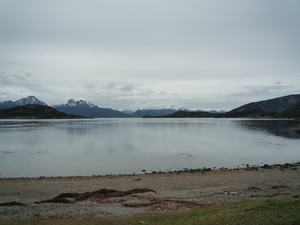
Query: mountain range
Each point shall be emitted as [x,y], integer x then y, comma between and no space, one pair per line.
[24,101]
[286,106]
[159,111]
[163,111]
[88,109]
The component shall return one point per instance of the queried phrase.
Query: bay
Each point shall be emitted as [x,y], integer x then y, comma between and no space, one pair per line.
[32,148]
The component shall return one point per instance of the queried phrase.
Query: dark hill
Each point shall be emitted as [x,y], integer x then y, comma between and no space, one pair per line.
[251,113]
[293,111]
[92,112]
[184,114]
[35,112]
[269,107]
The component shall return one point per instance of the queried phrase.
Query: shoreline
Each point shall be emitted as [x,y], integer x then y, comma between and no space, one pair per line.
[124,195]
[246,167]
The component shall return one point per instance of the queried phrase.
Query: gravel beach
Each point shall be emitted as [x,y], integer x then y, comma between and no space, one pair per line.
[120,195]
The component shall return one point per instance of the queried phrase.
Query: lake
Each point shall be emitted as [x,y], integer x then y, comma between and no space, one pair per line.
[32,148]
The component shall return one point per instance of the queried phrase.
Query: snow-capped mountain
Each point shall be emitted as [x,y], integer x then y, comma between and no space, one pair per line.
[127,111]
[24,101]
[30,100]
[80,103]
[157,111]
[217,111]
[163,111]
[88,109]
[176,108]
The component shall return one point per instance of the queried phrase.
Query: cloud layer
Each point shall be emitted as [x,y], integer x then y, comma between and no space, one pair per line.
[132,54]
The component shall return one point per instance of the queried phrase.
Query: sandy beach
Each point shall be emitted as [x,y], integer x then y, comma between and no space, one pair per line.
[119,195]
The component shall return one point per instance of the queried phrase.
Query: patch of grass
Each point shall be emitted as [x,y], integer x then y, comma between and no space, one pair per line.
[259,212]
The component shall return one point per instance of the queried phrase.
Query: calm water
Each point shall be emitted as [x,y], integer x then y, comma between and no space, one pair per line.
[30,148]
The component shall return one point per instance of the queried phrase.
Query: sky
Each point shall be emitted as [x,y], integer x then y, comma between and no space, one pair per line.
[208,54]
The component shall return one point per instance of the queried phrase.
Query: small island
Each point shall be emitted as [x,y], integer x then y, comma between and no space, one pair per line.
[33,111]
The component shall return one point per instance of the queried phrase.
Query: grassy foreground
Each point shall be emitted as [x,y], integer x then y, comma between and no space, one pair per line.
[270,211]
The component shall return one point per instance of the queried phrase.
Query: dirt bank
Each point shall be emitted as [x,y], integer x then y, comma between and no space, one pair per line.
[61,197]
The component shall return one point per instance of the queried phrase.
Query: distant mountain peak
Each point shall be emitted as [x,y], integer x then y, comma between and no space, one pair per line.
[176,108]
[71,102]
[29,100]
[80,103]
[88,109]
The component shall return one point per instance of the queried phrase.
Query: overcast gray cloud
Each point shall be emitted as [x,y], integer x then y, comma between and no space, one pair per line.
[132,54]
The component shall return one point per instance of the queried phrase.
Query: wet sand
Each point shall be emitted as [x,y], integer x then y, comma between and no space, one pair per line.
[119,195]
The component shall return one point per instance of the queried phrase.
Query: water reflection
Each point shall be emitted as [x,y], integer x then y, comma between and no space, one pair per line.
[23,125]
[79,128]
[282,128]
[100,146]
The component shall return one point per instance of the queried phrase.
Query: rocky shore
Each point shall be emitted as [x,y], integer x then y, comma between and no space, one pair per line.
[119,195]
